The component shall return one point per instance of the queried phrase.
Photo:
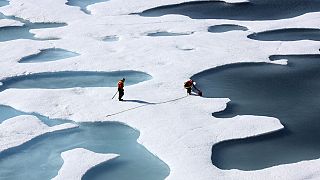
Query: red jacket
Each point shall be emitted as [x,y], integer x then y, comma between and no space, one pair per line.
[188,84]
[120,84]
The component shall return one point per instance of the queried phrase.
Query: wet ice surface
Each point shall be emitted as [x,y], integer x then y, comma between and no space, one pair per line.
[46,55]
[253,10]
[83,4]
[293,34]
[70,79]
[41,156]
[225,28]
[290,93]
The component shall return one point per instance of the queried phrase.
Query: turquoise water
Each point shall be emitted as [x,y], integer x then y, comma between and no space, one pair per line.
[23,32]
[292,34]
[225,28]
[48,55]
[3,3]
[40,158]
[83,4]
[253,10]
[7,112]
[290,93]
[70,79]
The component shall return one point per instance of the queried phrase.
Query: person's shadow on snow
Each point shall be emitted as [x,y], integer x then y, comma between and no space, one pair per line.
[137,101]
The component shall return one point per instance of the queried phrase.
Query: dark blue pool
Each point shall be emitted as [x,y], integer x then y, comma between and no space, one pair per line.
[253,10]
[290,93]
[290,34]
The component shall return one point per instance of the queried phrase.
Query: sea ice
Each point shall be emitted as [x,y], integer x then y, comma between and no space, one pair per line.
[84,159]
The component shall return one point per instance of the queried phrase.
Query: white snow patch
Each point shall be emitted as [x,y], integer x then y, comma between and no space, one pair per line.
[18,130]
[78,161]
[280,62]
[9,22]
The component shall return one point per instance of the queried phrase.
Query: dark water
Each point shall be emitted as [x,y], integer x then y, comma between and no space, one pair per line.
[253,10]
[293,34]
[225,28]
[83,4]
[290,93]
[48,55]
[70,79]
[40,158]
[164,33]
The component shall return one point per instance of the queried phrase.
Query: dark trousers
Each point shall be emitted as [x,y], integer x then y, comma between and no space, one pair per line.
[121,93]
[189,90]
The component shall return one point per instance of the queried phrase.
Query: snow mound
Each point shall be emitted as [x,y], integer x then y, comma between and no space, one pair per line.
[9,22]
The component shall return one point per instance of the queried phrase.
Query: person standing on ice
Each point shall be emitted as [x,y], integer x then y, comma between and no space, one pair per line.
[121,89]
[189,84]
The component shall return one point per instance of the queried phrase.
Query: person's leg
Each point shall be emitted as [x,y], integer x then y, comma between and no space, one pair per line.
[121,93]
[189,90]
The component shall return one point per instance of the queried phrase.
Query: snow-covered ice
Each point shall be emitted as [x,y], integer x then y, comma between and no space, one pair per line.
[9,22]
[179,130]
[78,161]
[18,130]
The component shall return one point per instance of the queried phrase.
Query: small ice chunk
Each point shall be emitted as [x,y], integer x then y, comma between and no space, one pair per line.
[1,83]
[280,62]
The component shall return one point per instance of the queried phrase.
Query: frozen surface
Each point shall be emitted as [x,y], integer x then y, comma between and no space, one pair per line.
[9,22]
[20,129]
[84,159]
[179,130]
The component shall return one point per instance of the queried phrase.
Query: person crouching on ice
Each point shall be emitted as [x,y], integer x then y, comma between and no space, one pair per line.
[121,89]
[189,84]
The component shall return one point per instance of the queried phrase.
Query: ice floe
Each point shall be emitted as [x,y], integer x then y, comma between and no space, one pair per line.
[83,159]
